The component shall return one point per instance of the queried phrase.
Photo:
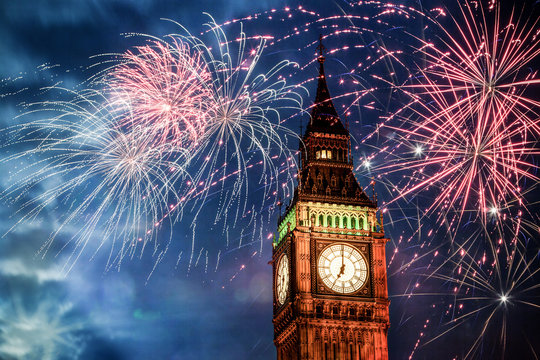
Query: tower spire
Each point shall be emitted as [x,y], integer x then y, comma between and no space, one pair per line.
[324,117]
[321,49]
[329,229]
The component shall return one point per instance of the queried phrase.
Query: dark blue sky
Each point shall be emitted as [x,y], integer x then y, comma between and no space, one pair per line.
[201,311]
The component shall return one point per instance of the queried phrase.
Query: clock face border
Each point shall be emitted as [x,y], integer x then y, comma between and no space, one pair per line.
[319,287]
[283,257]
[283,249]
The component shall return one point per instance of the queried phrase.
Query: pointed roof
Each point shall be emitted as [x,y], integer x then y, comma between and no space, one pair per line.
[326,171]
[324,117]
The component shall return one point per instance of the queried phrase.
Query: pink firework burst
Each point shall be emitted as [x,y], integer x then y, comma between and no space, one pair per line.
[472,126]
[167,88]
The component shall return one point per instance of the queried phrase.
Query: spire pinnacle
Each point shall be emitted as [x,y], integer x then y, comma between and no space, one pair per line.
[321,49]
[324,117]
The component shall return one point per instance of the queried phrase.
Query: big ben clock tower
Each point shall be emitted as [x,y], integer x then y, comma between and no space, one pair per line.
[330,295]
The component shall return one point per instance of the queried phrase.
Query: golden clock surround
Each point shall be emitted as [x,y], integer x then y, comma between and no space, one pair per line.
[354,269]
[364,248]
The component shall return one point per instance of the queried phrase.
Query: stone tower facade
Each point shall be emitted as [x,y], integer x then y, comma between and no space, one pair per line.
[330,288]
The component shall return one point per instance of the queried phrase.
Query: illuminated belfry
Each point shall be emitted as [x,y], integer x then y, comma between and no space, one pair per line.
[330,292]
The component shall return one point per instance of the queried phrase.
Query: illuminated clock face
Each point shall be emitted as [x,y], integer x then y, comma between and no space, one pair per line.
[342,268]
[282,279]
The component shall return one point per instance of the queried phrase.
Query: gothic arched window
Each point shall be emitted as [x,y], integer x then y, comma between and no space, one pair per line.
[319,180]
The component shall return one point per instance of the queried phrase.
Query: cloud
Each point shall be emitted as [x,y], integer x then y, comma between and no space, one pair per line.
[38,320]
[48,12]
[17,268]
[42,331]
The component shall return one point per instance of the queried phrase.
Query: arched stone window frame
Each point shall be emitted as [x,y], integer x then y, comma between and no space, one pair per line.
[348,181]
[342,218]
[365,222]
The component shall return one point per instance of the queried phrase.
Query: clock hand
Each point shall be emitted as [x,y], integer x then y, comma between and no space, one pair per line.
[342,269]
[335,282]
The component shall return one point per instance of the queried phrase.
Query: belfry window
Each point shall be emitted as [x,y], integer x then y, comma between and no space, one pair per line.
[323,154]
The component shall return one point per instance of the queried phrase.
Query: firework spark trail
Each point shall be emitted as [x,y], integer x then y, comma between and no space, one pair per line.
[244,121]
[122,151]
[359,31]
[439,251]
[166,87]
[485,287]
[209,96]
[473,128]
[108,181]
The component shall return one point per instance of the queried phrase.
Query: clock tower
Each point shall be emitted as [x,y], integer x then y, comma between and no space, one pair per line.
[328,259]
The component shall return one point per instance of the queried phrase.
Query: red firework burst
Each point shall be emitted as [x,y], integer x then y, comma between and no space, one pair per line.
[166,86]
[474,127]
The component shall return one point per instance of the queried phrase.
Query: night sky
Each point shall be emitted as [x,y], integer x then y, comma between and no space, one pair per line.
[188,304]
